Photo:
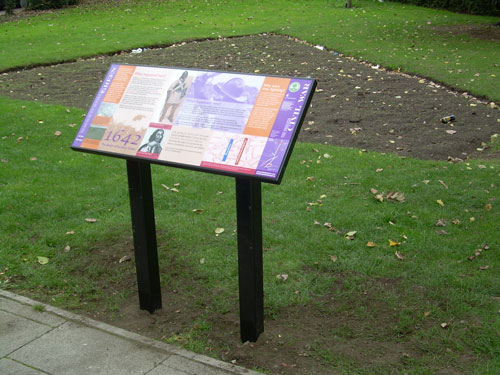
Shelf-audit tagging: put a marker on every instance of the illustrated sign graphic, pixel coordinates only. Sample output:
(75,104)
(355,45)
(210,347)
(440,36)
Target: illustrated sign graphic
(229,123)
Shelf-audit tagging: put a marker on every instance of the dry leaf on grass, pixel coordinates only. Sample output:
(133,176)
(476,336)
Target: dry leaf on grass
(125,258)
(43,260)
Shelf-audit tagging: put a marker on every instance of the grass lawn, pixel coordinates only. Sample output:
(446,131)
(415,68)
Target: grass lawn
(440,242)
(391,34)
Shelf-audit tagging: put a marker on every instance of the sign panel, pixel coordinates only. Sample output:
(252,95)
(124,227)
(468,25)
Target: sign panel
(228,123)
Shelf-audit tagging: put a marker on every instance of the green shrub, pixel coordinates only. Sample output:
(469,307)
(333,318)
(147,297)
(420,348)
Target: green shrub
(8,5)
(50,4)
(483,7)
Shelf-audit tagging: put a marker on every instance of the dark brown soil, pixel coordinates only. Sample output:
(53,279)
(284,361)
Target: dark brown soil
(355,105)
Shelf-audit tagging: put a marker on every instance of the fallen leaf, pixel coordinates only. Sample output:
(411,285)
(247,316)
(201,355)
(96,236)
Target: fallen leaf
(283,277)
(202,261)
(483,268)
(33,158)
(197,210)
(399,255)
(442,183)
(124,259)
(43,260)
(444,325)
(334,258)
(394,243)
(165,186)
(219,231)
(90,220)
(310,179)
(67,248)
(350,235)
(57,133)
(70,232)
(456,222)
(440,202)
(441,223)
(174,190)
(488,207)
(378,170)
(472,219)
(395,196)
(370,244)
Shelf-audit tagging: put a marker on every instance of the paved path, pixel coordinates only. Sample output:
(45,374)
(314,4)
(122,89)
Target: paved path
(53,341)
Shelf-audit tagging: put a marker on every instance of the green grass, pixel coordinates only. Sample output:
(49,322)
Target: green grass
(44,199)
(47,191)
(394,35)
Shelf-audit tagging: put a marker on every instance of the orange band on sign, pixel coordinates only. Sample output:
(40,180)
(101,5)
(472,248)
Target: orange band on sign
(91,143)
(119,84)
(101,120)
(267,106)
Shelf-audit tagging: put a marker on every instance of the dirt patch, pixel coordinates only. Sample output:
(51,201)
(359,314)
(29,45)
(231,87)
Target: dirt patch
(480,31)
(360,328)
(356,104)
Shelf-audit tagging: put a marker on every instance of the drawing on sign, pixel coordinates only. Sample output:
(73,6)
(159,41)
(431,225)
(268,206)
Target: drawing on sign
(230,123)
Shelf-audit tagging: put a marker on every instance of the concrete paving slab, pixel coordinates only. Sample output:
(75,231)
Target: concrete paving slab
(164,370)
(16,331)
(192,367)
(82,345)
(30,313)
(72,349)
(10,367)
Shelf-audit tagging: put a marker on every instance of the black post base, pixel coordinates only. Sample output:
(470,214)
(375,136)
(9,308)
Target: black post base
(250,269)
(143,225)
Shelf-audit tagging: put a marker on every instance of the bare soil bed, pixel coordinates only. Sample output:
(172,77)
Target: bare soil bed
(355,105)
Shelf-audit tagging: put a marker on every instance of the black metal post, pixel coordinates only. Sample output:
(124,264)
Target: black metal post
(143,225)
(250,270)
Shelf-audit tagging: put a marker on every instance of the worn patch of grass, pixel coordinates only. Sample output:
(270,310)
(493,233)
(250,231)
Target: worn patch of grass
(394,35)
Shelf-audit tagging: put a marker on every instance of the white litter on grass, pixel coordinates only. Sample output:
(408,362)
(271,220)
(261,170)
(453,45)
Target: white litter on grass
(320,47)
(138,50)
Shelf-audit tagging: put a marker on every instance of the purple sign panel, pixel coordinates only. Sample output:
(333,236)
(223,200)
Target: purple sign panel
(227,123)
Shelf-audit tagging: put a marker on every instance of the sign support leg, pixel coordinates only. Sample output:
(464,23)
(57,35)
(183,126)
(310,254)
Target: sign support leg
(143,226)
(250,270)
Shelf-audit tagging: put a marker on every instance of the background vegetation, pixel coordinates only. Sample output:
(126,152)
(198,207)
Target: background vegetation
(485,7)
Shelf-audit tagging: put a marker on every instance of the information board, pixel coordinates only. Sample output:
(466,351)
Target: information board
(243,125)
